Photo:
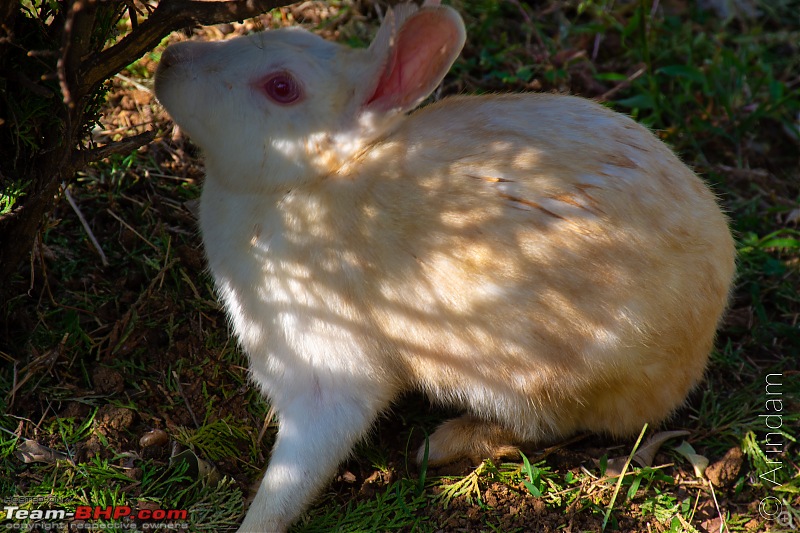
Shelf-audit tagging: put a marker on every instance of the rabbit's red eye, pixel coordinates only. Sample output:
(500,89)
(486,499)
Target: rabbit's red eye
(282,88)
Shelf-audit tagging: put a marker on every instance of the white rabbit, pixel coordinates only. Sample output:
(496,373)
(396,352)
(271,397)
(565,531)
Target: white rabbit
(540,261)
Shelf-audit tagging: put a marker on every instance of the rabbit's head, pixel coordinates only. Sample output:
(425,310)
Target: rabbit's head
(282,107)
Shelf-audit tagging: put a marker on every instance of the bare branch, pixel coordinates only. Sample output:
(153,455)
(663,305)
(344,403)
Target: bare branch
(170,15)
(606,96)
(76,44)
(85,224)
(82,158)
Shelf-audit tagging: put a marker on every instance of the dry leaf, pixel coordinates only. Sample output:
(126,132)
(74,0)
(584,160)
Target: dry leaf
(645,454)
(30,451)
(699,462)
(198,468)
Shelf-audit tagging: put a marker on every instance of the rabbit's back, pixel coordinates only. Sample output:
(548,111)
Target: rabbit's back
(536,254)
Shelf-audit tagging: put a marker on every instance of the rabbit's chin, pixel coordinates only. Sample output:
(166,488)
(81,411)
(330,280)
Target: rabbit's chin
(279,166)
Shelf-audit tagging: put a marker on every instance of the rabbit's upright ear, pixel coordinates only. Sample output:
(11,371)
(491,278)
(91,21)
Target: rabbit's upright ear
(412,52)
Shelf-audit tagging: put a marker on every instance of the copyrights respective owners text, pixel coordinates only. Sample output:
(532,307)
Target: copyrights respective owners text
(87,517)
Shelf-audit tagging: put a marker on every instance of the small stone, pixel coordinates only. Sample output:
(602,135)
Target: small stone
(107,381)
(154,437)
(116,418)
(723,473)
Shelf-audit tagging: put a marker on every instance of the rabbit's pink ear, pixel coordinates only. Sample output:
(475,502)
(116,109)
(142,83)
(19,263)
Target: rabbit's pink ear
(416,50)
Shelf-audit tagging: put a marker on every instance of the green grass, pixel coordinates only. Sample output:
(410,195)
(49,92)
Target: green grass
(95,356)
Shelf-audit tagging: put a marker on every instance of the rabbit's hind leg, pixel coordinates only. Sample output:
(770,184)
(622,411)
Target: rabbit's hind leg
(469,438)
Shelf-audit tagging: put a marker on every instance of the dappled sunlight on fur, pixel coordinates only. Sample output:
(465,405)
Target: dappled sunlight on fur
(539,261)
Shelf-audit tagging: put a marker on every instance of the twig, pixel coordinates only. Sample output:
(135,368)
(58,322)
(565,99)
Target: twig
(66,50)
(113,214)
(86,228)
(166,260)
(188,280)
(185,399)
(35,88)
(719,511)
(13,394)
(127,145)
(654,8)
(44,361)
(267,421)
(743,173)
(598,38)
(135,83)
(696,503)
(622,85)
(75,45)
(525,15)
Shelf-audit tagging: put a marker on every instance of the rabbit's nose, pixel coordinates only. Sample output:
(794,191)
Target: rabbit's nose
(172,56)
(178,53)
(167,59)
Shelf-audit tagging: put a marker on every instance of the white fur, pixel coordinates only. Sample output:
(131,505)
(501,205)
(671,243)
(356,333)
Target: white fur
(538,260)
